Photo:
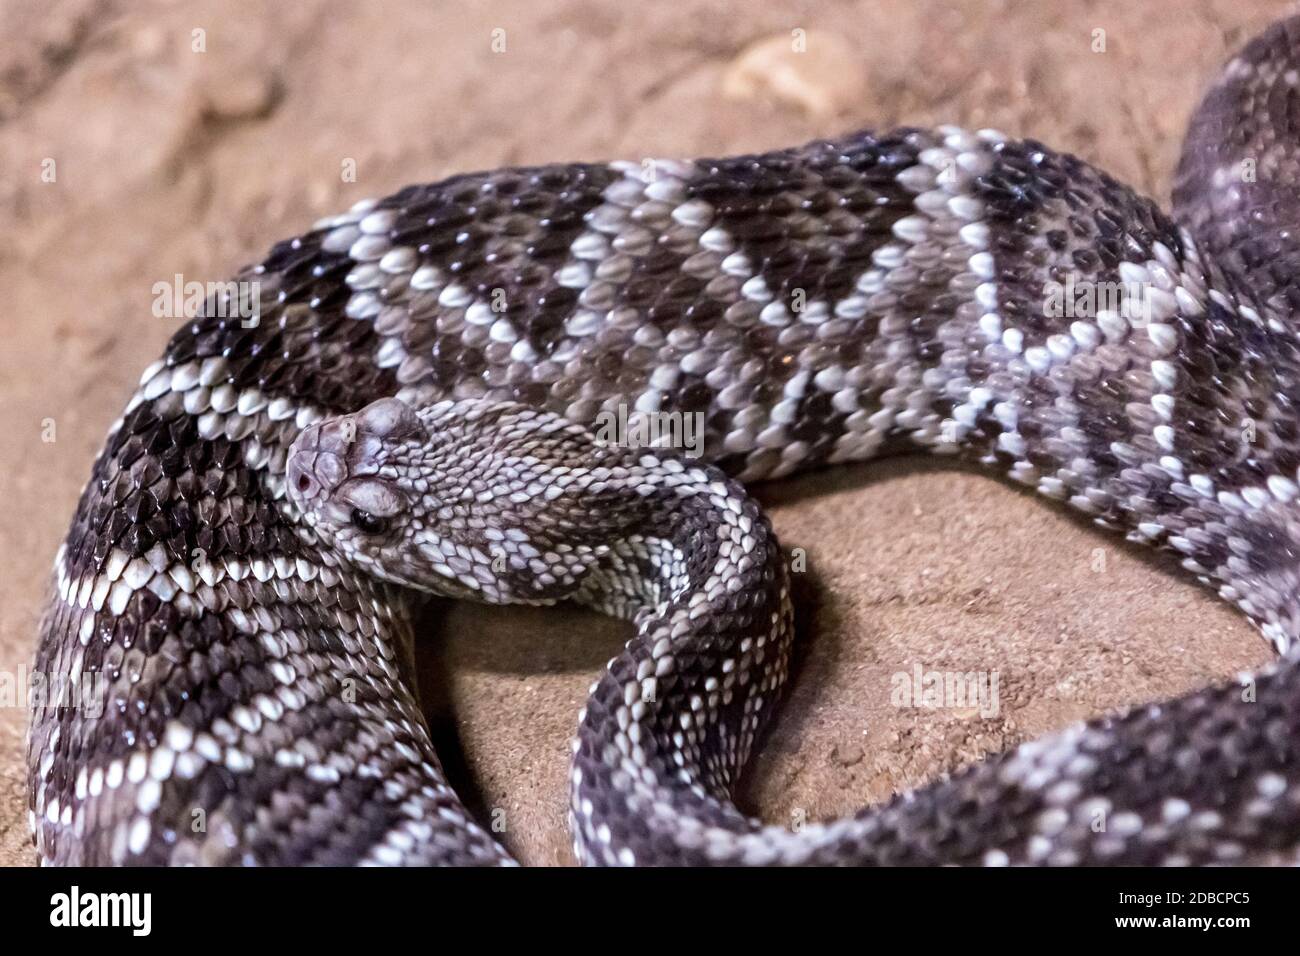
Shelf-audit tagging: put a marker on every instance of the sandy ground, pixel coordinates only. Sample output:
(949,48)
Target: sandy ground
(171,160)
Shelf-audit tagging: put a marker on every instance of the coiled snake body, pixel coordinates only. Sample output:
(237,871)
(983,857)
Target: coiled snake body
(811,305)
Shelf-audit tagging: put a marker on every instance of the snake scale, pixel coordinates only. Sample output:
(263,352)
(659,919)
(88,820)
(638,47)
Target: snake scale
(411,412)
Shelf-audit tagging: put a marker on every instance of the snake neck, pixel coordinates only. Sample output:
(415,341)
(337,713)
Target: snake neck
(676,715)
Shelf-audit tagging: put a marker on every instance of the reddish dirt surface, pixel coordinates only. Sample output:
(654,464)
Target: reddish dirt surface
(173,161)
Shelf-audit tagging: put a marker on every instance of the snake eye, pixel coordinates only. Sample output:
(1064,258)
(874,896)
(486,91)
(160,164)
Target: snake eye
(368,523)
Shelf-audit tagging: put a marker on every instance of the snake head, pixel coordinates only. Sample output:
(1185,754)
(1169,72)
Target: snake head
(476,498)
(333,467)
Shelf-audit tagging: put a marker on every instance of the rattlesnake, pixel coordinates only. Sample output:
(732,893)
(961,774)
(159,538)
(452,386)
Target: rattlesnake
(814,306)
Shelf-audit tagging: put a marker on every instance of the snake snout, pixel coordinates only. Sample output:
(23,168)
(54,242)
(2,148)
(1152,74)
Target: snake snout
(317,462)
(304,486)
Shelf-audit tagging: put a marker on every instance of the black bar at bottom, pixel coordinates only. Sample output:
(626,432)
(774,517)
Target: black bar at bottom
(331,906)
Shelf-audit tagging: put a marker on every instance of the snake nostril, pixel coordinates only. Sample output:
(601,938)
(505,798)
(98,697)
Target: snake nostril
(303,482)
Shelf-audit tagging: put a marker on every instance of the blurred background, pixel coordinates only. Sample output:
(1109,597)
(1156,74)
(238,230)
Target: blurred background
(139,140)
